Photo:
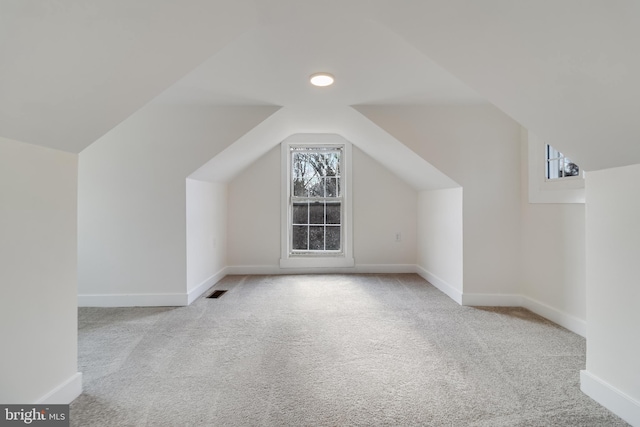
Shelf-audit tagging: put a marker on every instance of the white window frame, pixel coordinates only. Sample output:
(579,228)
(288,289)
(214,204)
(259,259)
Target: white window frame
(543,190)
(342,258)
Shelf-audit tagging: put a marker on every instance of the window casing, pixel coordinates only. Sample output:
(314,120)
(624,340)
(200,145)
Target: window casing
(316,205)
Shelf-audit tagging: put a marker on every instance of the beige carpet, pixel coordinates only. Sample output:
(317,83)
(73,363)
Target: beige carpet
(329,350)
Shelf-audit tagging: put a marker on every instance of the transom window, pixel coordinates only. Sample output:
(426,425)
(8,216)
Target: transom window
(558,166)
(316,200)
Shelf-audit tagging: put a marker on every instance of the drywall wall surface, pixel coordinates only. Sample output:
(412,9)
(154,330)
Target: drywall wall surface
(254,213)
(131,201)
(613,292)
(553,251)
(38,249)
(384,214)
(383,206)
(440,236)
(206,231)
(478,146)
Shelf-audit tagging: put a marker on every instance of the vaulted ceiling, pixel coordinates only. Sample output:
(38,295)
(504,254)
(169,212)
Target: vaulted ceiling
(72,70)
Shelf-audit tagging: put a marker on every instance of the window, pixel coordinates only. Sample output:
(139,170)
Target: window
(559,166)
(316,200)
(553,178)
(316,207)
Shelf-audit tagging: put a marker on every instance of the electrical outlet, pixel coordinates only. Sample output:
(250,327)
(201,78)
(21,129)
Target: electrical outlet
(398,236)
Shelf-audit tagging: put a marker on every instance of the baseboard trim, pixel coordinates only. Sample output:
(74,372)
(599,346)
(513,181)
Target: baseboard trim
(384,268)
(440,284)
(132,300)
(196,292)
(563,319)
(610,397)
(358,268)
(492,300)
(65,393)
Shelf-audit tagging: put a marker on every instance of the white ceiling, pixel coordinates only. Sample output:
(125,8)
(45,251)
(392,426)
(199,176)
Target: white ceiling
(567,70)
(72,70)
(271,64)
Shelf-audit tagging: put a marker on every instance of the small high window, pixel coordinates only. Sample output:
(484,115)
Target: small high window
(558,166)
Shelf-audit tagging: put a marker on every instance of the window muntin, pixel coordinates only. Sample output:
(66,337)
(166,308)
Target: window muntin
(558,166)
(316,204)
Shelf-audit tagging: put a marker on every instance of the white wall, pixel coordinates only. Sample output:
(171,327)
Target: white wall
(553,257)
(206,234)
(440,239)
(38,249)
(253,233)
(131,205)
(613,290)
(382,205)
(479,147)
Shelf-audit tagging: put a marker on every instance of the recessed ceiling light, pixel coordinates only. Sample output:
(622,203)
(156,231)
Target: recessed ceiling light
(321,79)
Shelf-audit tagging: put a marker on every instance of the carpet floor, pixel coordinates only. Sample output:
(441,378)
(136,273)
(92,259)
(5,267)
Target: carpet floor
(329,350)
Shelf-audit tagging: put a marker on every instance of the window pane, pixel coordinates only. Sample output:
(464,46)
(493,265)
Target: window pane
(299,188)
(316,213)
(333,238)
(332,161)
(570,168)
(315,187)
(316,238)
(332,187)
(333,213)
(300,213)
(300,237)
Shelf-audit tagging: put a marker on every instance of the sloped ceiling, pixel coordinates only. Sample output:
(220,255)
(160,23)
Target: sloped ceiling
(566,70)
(346,122)
(72,70)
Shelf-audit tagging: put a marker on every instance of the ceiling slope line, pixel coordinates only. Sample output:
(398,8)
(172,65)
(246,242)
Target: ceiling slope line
(344,121)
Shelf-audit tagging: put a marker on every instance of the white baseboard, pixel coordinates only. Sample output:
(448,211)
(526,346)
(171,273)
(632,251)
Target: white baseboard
(195,293)
(442,285)
(65,393)
(258,270)
(492,300)
(132,300)
(358,268)
(384,268)
(563,319)
(610,397)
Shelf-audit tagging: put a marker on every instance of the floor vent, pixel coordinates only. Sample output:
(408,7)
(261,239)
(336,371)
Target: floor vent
(216,294)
